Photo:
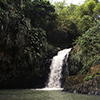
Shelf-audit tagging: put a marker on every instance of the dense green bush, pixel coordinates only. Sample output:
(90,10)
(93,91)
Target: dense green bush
(22,46)
(86,51)
(42,15)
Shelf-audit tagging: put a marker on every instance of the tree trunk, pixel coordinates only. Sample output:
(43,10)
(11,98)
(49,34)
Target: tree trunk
(21,4)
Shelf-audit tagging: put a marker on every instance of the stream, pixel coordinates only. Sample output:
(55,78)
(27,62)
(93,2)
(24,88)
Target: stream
(29,94)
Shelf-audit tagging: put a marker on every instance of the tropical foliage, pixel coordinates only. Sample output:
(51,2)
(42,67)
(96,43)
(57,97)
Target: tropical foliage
(80,23)
(22,46)
(29,29)
(86,50)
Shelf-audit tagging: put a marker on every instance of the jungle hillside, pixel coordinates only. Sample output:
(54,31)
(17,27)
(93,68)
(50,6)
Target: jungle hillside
(32,30)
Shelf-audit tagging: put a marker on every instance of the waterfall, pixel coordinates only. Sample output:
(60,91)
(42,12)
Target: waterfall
(54,82)
(56,69)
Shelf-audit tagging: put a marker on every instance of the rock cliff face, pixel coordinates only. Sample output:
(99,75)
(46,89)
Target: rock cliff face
(88,87)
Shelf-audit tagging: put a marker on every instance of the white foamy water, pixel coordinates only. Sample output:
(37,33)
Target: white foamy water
(48,89)
(55,71)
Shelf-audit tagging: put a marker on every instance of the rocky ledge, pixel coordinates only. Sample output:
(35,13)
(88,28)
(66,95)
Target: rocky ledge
(91,87)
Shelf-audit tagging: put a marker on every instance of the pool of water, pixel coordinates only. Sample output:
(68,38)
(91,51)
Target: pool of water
(27,94)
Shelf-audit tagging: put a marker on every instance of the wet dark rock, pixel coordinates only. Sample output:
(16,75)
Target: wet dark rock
(65,71)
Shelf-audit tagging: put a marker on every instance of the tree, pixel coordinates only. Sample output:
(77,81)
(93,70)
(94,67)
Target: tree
(66,31)
(85,15)
(84,24)
(42,15)
(91,8)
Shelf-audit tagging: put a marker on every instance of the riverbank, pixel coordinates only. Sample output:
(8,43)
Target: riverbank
(91,87)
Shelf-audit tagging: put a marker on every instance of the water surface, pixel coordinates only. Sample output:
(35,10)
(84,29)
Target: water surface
(27,94)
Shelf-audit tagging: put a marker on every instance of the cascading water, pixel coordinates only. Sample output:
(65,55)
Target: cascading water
(56,69)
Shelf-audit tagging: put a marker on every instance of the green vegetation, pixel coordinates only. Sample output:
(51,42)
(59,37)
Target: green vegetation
(30,29)
(23,46)
(89,77)
(80,23)
(86,50)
